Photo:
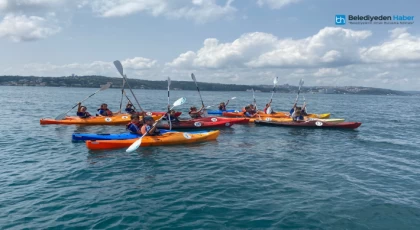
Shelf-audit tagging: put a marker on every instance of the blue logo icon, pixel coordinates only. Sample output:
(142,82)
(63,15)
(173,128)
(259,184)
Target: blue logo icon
(340,19)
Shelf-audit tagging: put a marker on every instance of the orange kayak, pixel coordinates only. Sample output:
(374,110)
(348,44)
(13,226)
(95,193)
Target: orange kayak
(174,138)
(118,119)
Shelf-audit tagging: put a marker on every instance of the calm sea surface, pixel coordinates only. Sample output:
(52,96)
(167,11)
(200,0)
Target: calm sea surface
(250,178)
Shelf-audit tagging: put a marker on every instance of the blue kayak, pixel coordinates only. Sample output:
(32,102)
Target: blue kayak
(219,112)
(121,136)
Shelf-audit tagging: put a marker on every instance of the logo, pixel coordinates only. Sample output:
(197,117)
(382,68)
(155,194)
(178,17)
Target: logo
(124,117)
(340,19)
(318,123)
(197,124)
(214,119)
(187,136)
(108,119)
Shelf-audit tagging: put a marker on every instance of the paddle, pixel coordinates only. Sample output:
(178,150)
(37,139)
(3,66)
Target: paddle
(300,85)
(103,87)
(255,103)
(137,143)
(169,111)
(122,94)
(269,110)
(119,67)
(195,81)
(233,98)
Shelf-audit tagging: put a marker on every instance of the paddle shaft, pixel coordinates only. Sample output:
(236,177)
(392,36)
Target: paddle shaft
(125,78)
(122,94)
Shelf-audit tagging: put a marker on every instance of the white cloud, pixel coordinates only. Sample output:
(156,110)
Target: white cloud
(401,47)
(96,67)
(276,4)
(330,46)
(327,72)
(199,11)
(23,28)
(24,5)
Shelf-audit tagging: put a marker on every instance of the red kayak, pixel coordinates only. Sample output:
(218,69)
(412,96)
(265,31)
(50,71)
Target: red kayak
(233,120)
(196,124)
(311,124)
(177,114)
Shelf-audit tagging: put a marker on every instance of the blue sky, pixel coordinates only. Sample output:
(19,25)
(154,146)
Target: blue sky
(240,41)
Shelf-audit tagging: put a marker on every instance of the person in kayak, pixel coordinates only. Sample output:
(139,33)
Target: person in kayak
(194,113)
(135,125)
(129,108)
(104,111)
(170,114)
(297,114)
(249,112)
(81,111)
(148,128)
(222,105)
(302,110)
(268,106)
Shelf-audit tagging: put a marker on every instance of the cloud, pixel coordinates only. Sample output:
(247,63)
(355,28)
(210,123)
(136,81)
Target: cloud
(276,4)
(329,47)
(23,28)
(96,67)
(326,72)
(199,11)
(402,47)
(27,5)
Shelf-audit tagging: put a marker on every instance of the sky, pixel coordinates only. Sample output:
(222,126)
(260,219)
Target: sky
(222,41)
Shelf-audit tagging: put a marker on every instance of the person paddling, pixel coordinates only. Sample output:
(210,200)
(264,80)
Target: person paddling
(249,112)
(135,125)
(148,128)
(129,108)
(172,116)
(268,106)
(194,113)
(104,111)
(222,105)
(81,111)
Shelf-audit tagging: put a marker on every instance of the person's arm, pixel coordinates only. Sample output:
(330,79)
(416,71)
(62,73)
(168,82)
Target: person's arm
(227,103)
(152,130)
(79,106)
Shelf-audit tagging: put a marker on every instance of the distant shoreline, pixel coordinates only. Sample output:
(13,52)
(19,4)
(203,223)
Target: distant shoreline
(96,81)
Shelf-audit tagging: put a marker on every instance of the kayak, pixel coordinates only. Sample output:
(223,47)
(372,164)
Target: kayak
(118,119)
(219,112)
(290,119)
(276,115)
(177,114)
(121,136)
(195,124)
(234,120)
(172,138)
(312,124)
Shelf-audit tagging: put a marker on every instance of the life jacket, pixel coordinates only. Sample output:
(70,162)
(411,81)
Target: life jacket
(106,112)
(130,110)
(194,115)
(223,108)
(148,128)
(83,114)
(135,128)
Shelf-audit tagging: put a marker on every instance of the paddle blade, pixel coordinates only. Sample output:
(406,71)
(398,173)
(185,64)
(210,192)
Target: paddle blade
(169,81)
(275,80)
(134,146)
(106,86)
(193,77)
(119,67)
(180,101)
(233,98)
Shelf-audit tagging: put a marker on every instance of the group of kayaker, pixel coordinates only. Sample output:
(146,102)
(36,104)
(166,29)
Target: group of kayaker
(142,127)
(103,111)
